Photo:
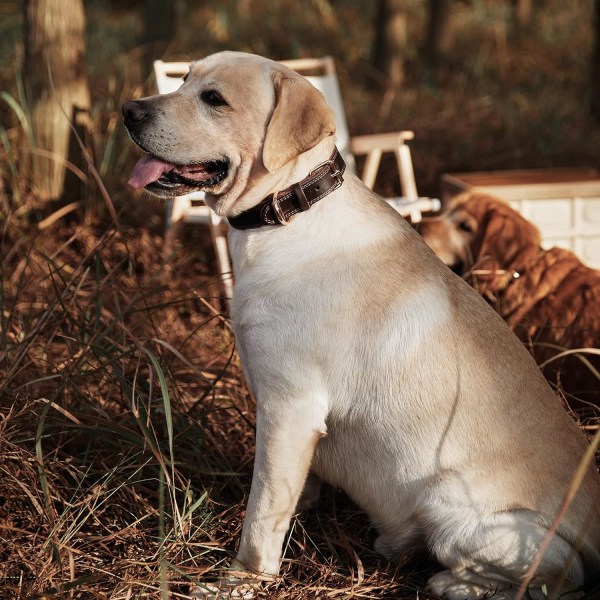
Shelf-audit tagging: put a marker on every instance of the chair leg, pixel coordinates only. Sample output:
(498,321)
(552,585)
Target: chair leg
(371,167)
(407,173)
(171,235)
(174,214)
(407,180)
(176,211)
(219,241)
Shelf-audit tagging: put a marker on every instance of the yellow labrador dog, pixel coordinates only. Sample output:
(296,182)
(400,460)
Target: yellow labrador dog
(374,367)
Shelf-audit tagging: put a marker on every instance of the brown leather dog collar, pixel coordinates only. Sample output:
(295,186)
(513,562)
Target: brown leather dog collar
(276,209)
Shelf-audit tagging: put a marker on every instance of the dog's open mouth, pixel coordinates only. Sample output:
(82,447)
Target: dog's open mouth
(154,173)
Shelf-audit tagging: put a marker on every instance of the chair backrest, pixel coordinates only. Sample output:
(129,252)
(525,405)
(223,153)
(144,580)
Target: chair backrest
(169,75)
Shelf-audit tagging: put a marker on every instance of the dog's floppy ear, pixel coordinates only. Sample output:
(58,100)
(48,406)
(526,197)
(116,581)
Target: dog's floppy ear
(301,119)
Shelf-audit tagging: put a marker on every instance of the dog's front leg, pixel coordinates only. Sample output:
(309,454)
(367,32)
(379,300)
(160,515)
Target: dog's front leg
(286,437)
(287,432)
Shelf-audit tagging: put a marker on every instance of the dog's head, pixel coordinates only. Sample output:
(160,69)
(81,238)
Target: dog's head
(477,229)
(236,120)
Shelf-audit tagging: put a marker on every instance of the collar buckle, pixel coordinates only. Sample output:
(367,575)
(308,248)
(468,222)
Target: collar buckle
(277,210)
(335,172)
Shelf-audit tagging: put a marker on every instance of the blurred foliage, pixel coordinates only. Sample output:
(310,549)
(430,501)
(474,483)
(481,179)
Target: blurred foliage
(503,97)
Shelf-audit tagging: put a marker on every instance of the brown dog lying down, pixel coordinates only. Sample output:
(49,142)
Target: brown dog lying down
(548,297)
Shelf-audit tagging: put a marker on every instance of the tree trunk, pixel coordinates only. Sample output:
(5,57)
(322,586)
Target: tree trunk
(390,41)
(523,12)
(595,82)
(438,32)
(58,93)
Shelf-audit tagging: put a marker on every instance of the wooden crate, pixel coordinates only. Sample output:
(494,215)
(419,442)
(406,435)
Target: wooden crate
(563,203)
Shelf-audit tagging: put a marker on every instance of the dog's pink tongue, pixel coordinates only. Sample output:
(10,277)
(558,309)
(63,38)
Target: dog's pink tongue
(148,169)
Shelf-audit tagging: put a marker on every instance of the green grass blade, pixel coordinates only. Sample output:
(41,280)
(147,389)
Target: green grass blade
(20,113)
(166,401)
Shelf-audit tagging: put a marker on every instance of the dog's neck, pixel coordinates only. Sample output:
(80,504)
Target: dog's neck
(265,183)
(279,208)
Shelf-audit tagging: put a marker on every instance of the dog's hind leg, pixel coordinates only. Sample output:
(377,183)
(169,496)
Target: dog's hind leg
(406,537)
(491,553)
(310,493)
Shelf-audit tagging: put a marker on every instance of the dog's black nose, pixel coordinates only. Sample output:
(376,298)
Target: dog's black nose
(133,111)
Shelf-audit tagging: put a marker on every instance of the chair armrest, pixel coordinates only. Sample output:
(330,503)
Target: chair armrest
(373,146)
(384,142)
(411,207)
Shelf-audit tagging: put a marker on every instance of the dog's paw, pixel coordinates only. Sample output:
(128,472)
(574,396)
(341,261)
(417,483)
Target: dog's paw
(226,588)
(236,583)
(447,586)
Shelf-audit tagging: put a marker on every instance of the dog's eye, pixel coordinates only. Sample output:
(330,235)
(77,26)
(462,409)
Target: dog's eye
(465,226)
(213,98)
